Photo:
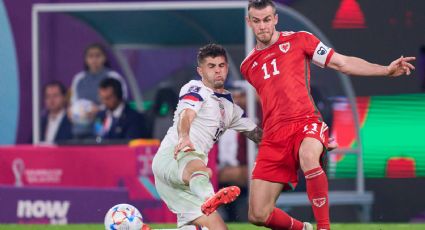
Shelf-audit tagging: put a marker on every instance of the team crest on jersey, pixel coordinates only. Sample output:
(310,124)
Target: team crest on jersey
(194,89)
(285,47)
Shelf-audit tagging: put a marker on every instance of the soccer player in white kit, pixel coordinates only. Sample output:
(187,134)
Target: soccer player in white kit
(205,110)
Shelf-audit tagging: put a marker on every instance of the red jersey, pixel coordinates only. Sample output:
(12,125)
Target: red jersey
(281,75)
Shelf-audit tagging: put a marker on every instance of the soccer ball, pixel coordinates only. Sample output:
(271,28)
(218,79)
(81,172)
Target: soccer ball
(123,217)
(80,110)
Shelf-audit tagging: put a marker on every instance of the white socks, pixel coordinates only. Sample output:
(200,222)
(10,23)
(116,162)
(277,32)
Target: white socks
(200,185)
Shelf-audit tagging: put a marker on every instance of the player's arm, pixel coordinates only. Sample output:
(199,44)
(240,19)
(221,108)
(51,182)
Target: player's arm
(183,130)
(245,125)
(254,135)
(359,67)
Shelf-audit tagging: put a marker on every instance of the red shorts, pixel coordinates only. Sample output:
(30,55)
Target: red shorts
(277,159)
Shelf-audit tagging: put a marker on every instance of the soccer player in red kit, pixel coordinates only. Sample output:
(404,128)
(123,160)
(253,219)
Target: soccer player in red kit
(294,134)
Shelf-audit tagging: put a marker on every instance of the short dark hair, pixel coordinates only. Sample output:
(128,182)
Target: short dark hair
(58,84)
(114,84)
(261,4)
(211,50)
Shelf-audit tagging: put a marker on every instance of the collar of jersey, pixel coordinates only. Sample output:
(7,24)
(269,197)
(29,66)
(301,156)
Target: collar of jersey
(280,34)
(226,95)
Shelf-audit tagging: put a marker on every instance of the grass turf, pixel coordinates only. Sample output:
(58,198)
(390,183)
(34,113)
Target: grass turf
(376,226)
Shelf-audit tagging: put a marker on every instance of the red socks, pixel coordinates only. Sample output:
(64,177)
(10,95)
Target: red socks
(279,219)
(317,191)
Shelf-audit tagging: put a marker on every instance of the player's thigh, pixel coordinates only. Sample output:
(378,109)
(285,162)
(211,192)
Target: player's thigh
(312,141)
(213,221)
(262,196)
(309,153)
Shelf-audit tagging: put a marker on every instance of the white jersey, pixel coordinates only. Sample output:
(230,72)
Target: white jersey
(215,113)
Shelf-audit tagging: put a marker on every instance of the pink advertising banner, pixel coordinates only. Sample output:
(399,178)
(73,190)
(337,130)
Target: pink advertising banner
(67,166)
(39,173)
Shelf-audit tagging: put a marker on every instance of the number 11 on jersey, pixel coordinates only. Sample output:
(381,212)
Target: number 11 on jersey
(275,70)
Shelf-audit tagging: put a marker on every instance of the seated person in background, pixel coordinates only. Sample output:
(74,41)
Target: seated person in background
(118,120)
(96,69)
(55,125)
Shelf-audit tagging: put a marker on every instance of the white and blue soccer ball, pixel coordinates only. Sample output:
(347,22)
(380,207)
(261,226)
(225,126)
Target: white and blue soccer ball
(123,217)
(80,110)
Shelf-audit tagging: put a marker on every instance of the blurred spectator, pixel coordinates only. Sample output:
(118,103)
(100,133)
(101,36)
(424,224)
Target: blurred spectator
(118,120)
(55,125)
(165,104)
(85,84)
(232,160)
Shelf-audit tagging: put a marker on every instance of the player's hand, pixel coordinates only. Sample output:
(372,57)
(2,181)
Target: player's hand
(93,112)
(184,145)
(332,144)
(401,66)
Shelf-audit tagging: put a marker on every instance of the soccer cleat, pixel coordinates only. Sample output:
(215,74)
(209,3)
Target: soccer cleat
(146,227)
(223,196)
(307,226)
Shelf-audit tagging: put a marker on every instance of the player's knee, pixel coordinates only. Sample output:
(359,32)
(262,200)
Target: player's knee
(196,166)
(258,216)
(192,167)
(210,172)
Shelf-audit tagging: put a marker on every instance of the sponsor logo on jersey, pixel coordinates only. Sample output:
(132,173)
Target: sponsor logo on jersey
(284,47)
(322,51)
(194,89)
(268,55)
(254,65)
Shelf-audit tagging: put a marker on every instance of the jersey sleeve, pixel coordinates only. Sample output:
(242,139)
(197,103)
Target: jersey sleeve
(192,97)
(240,122)
(318,52)
(245,66)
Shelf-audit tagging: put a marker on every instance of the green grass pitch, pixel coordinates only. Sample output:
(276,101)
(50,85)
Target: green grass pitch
(375,226)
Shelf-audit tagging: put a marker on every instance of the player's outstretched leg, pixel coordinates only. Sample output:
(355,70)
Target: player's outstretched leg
(262,210)
(211,222)
(223,196)
(316,181)
(197,176)
(200,185)
(317,191)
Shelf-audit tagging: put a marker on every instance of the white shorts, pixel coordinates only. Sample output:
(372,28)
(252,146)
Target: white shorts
(169,183)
